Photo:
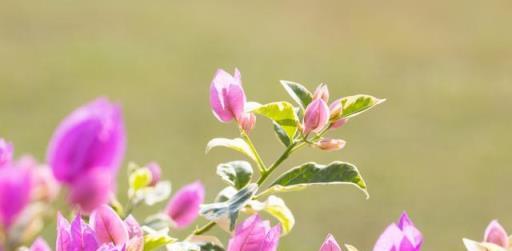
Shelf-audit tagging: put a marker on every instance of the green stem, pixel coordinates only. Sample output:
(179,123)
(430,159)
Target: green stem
(204,228)
(259,161)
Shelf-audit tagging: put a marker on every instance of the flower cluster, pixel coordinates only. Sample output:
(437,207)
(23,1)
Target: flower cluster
(87,150)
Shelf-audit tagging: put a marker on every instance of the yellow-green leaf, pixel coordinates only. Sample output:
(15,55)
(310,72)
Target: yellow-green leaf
(283,113)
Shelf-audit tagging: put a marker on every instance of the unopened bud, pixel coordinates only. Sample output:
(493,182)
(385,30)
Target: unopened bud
(156,172)
(331,144)
(336,112)
(247,121)
(316,116)
(6,150)
(322,92)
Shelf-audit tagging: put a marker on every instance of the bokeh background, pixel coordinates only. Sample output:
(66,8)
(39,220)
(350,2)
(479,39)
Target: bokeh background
(439,148)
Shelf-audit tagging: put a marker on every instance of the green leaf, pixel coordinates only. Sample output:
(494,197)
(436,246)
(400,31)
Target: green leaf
(276,207)
(236,173)
(156,239)
(350,247)
(315,174)
(298,92)
(357,104)
(211,247)
(236,144)
(229,208)
(283,114)
(281,134)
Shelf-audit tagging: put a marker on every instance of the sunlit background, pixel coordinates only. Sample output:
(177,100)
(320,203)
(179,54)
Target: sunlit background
(440,148)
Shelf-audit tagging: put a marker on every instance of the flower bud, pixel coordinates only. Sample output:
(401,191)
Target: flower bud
(227,97)
(155,171)
(331,144)
(91,190)
(496,234)
(336,112)
(247,121)
(401,236)
(316,116)
(321,92)
(255,235)
(15,192)
(330,244)
(6,150)
(40,245)
(91,137)
(183,208)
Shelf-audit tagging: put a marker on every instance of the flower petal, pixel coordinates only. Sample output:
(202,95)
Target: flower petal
(330,244)
(496,234)
(108,226)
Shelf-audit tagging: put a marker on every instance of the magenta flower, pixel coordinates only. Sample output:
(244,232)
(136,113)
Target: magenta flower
(183,208)
(330,244)
(227,98)
(15,193)
(91,190)
(105,231)
(92,136)
(496,234)
(255,235)
(40,245)
(77,236)
(403,236)
(6,150)
(316,116)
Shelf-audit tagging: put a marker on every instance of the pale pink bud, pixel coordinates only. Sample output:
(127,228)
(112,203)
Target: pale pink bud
(156,172)
(227,97)
(321,92)
(331,144)
(6,150)
(247,121)
(336,112)
(316,116)
(496,234)
(330,244)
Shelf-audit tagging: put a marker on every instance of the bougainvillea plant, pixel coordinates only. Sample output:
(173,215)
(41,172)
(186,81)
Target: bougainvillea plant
(86,153)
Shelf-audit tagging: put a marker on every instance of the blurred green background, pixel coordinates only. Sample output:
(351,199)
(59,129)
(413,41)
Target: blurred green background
(439,148)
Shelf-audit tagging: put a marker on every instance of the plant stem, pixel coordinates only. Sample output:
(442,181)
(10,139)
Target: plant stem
(259,161)
(204,228)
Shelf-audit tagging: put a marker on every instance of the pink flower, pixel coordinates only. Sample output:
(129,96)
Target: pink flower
(40,245)
(6,150)
(403,236)
(496,234)
(183,208)
(77,236)
(322,92)
(108,226)
(92,136)
(316,116)
(227,98)
(255,235)
(91,190)
(15,193)
(330,244)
